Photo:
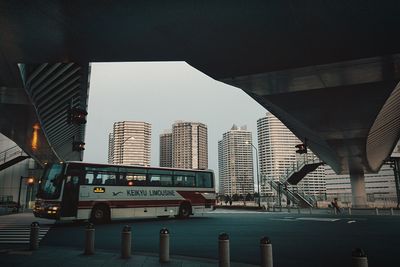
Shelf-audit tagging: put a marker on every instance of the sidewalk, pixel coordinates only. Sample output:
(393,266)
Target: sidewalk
(67,257)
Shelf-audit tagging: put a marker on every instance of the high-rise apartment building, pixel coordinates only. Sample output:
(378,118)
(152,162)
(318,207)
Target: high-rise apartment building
(235,162)
(130,143)
(110,148)
(189,145)
(277,154)
(166,149)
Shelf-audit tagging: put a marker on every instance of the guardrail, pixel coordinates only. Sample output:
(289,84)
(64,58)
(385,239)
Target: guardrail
(11,153)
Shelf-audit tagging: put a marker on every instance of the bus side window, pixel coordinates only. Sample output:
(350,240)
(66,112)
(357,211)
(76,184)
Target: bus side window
(89,178)
(110,179)
(155,180)
(203,180)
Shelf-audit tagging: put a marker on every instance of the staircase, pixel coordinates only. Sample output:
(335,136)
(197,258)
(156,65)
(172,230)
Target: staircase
(297,198)
(11,156)
(301,168)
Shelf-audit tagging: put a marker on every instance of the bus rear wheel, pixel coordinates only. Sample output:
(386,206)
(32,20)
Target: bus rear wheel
(100,214)
(184,211)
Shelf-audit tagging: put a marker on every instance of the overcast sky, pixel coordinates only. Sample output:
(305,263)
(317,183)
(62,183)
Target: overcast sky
(161,93)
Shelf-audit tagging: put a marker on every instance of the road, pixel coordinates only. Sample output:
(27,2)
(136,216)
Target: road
(298,240)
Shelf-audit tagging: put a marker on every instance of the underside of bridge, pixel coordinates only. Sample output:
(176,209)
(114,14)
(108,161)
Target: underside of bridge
(329,70)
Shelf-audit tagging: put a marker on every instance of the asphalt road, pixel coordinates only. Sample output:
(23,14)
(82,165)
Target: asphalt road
(298,240)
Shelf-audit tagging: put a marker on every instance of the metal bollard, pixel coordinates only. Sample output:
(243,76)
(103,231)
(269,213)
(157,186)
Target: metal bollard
(391,211)
(288,209)
(349,211)
(298,210)
(164,245)
(310,210)
(376,211)
(266,252)
(34,236)
(126,242)
(89,239)
(359,258)
(280,209)
(223,250)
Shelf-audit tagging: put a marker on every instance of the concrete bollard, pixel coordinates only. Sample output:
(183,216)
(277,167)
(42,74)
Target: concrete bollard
(34,236)
(359,258)
(126,245)
(266,252)
(376,211)
(164,245)
(349,211)
(89,239)
(223,250)
(391,211)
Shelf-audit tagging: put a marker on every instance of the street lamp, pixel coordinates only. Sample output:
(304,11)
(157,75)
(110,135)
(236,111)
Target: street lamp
(258,176)
(120,148)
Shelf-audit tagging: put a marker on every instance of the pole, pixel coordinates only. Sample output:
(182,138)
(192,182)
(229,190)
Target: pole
(266,252)
(223,250)
(19,193)
(164,245)
(126,240)
(359,258)
(396,171)
(89,239)
(258,178)
(34,236)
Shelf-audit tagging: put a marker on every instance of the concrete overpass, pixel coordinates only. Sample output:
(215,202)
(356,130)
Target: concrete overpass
(328,70)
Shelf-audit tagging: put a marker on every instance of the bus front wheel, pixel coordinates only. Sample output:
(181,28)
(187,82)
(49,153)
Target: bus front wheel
(184,211)
(100,214)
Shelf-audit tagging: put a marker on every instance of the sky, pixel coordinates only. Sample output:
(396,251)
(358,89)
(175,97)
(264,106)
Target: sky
(161,93)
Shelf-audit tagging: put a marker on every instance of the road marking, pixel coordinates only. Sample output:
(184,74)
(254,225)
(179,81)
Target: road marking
(15,229)
(318,219)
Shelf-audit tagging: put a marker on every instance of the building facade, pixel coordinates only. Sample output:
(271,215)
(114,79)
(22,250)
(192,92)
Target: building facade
(166,149)
(235,162)
(277,155)
(130,143)
(110,148)
(189,145)
(380,187)
(14,184)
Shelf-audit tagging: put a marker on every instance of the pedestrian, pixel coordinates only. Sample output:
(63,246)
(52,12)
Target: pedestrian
(230,201)
(335,205)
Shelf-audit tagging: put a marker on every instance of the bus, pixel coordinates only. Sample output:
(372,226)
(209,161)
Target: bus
(102,192)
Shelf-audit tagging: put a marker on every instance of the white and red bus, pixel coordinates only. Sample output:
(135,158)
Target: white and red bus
(100,193)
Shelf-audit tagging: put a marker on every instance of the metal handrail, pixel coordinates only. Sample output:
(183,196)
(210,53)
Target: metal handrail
(296,166)
(9,153)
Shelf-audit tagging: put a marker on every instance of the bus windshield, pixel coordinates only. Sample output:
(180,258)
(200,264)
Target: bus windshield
(50,185)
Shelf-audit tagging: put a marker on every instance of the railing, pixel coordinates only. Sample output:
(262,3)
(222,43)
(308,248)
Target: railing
(294,195)
(296,166)
(11,153)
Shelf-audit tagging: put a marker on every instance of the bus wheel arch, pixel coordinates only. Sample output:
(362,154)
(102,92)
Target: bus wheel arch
(101,213)
(185,210)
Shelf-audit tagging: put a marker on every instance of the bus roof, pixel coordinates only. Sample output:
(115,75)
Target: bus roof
(134,166)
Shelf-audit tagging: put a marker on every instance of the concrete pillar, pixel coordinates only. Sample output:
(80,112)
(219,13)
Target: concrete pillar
(357,180)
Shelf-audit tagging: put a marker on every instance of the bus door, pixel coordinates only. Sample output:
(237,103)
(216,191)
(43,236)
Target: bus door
(69,203)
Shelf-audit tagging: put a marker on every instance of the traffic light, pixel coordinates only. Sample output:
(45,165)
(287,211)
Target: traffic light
(77,116)
(301,148)
(78,146)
